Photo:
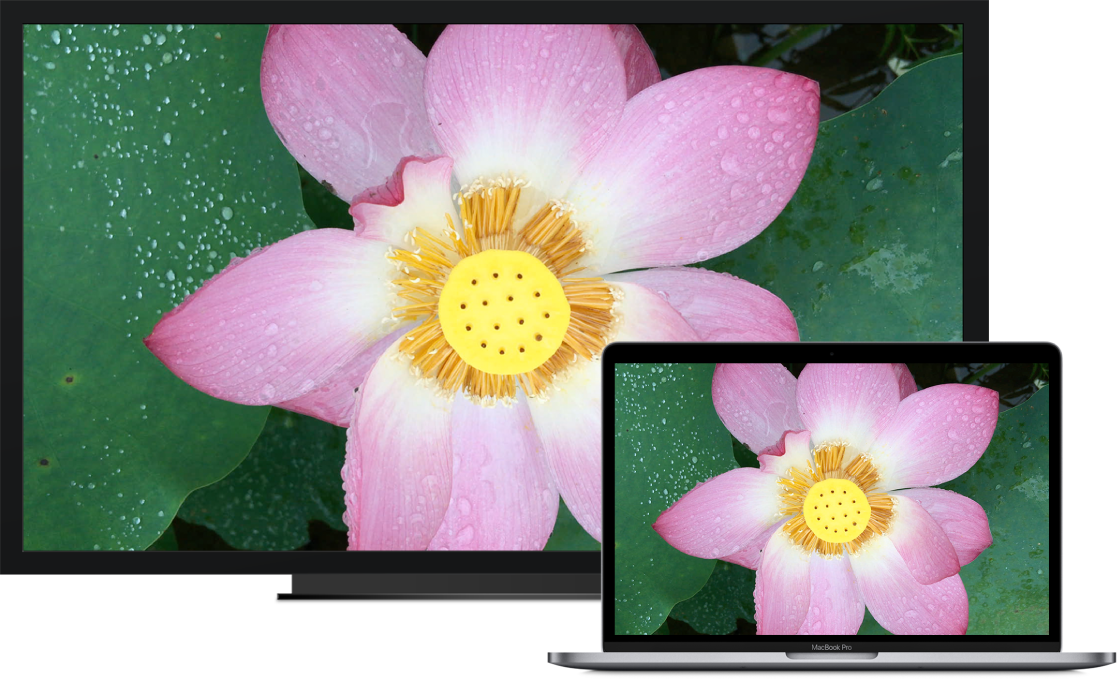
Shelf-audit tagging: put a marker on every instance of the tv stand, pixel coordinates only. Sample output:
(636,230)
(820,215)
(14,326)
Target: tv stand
(445,585)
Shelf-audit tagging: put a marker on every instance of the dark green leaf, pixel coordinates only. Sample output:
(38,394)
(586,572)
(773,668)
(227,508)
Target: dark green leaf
(870,247)
(668,439)
(1008,584)
(726,597)
(325,209)
(291,476)
(166,541)
(148,163)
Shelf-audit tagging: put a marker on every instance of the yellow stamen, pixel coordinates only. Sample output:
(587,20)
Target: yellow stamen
(832,504)
(576,316)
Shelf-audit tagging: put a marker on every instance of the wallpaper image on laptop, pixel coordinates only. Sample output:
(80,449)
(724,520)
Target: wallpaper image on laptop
(831,499)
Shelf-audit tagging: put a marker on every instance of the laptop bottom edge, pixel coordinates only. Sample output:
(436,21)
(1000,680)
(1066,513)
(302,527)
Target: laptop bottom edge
(827,661)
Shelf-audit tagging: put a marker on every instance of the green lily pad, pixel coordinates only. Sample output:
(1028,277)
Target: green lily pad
(1009,583)
(166,541)
(725,598)
(870,246)
(568,535)
(148,163)
(668,439)
(291,476)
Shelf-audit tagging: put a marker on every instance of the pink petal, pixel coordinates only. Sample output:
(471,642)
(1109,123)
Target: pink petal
(503,497)
(905,379)
(961,518)
(334,401)
(640,69)
(280,323)
(720,307)
(836,606)
(936,435)
(568,424)
(346,101)
(720,516)
(899,603)
(529,102)
(417,194)
(397,473)
(849,403)
(783,586)
(698,165)
(920,541)
(796,448)
(644,316)
(749,556)
(756,402)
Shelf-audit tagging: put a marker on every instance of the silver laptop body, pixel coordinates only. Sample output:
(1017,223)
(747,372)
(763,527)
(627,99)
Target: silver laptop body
(1008,652)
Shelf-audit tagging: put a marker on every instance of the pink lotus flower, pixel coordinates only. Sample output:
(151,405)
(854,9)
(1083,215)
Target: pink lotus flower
(459,343)
(840,515)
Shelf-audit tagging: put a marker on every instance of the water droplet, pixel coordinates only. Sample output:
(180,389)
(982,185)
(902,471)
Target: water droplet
(271,329)
(170,275)
(227,213)
(55,38)
(779,114)
(167,138)
(730,163)
(874,184)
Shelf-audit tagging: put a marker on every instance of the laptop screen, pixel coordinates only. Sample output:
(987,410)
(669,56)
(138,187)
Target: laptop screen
(830,500)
